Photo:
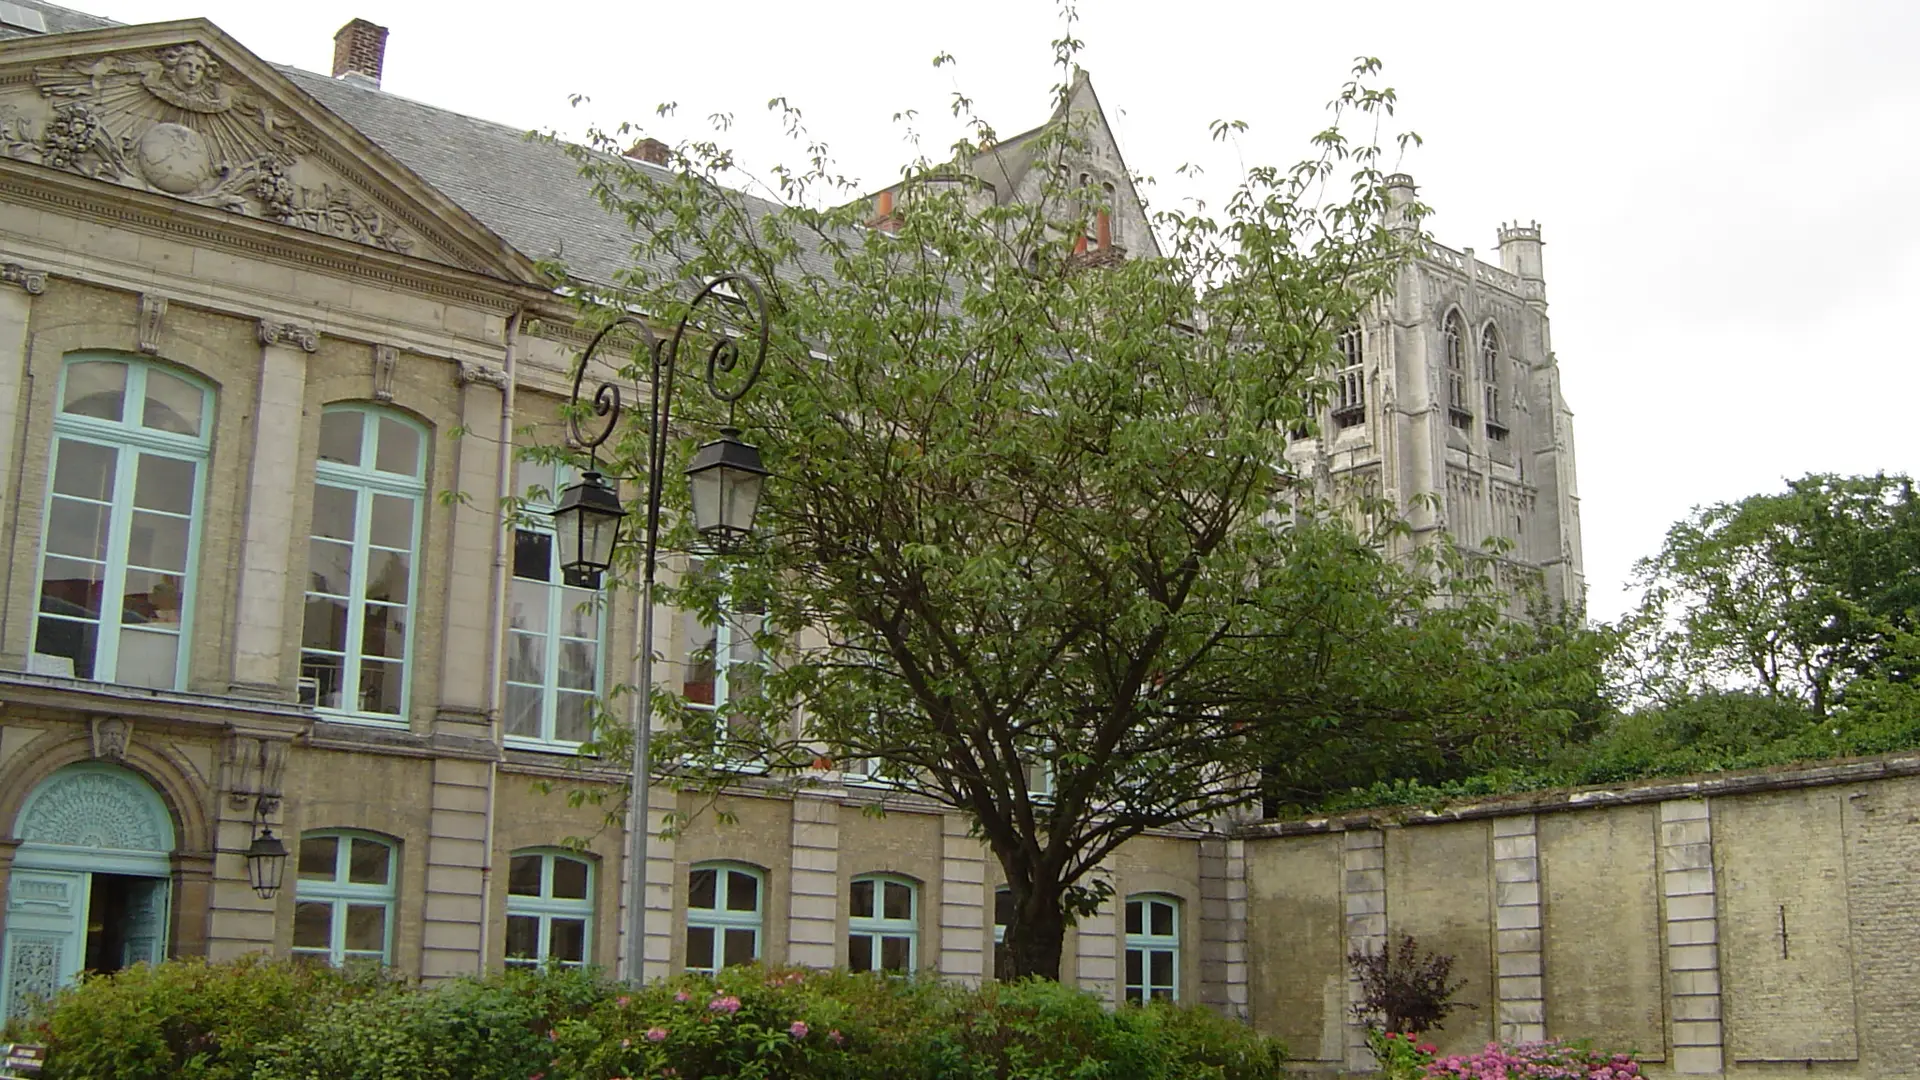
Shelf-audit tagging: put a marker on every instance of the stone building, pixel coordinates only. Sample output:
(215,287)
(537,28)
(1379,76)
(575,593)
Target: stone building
(255,322)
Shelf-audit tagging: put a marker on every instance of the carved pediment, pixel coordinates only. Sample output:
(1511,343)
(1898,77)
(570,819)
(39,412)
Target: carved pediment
(196,119)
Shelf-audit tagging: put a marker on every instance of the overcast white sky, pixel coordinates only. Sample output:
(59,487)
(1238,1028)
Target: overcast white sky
(1726,189)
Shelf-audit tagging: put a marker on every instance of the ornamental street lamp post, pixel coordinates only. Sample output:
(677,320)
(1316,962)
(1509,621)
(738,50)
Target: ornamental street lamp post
(725,478)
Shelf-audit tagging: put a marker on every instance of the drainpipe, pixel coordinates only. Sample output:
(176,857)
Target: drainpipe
(497,654)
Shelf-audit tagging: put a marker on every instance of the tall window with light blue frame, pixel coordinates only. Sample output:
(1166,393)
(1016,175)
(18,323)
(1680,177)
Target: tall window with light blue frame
(549,909)
(554,631)
(123,522)
(343,903)
(368,496)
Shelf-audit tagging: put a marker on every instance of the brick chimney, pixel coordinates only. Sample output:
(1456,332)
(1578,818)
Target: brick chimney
(359,50)
(651,151)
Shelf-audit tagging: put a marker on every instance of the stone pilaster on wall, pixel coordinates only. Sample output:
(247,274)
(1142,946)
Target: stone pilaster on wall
(473,533)
(456,859)
(963,883)
(1223,926)
(813,913)
(1517,923)
(238,921)
(1693,936)
(1364,899)
(14,307)
(1097,964)
(260,629)
(657,956)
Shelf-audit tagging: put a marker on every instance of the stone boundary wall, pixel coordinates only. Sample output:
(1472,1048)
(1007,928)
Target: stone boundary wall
(1750,924)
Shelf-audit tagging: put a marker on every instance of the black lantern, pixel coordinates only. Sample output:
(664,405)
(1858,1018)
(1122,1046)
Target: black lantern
(266,863)
(725,478)
(587,522)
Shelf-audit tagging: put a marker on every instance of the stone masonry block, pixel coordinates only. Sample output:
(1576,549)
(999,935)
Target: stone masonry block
(1517,893)
(1689,857)
(1522,825)
(1366,881)
(1683,810)
(1518,918)
(1697,1059)
(1688,882)
(1693,958)
(1505,870)
(1522,1012)
(1367,903)
(1697,1007)
(1366,858)
(1365,838)
(1696,1033)
(1693,932)
(1681,908)
(1697,831)
(1696,983)
(1519,964)
(1517,941)
(1515,847)
(1367,926)
(1522,988)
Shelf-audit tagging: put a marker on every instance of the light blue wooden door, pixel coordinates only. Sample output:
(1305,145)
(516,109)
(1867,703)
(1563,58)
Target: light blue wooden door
(46,939)
(146,923)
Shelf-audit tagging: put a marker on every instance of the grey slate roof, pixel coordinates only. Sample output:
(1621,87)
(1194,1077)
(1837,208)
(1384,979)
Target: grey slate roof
(59,21)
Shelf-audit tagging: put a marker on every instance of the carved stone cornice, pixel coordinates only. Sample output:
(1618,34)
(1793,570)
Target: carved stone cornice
(481,373)
(279,333)
(153,314)
(34,281)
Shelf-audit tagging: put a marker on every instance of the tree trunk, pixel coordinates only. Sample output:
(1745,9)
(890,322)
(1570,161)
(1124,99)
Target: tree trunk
(1036,936)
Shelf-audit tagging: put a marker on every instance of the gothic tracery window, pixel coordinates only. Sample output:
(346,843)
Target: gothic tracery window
(1490,381)
(1453,337)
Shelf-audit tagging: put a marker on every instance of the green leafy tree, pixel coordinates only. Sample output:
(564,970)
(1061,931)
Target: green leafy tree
(1795,595)
(1031,517)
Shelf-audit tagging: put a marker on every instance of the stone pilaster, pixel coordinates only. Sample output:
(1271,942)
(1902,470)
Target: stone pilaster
(1223,926)
(260,633)
(457,856)
(1097,962)
(963,878)
(238,921)
(813,913)
(657,956)
(473,533)
(1364,898)
(1517,946)
(15,304)
(1692,936)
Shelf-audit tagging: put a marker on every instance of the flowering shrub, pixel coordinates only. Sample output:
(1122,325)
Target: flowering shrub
(1543,1060)
(1402,1056)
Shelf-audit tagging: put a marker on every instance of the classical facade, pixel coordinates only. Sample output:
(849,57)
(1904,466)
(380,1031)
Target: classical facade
(255,324)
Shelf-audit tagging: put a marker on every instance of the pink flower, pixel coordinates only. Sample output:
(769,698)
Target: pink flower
(835,1037)
(656,1034)
(623,1001)
(1426,1048)
(728,1004)
(626,1044)
(681,996)
(797,1029)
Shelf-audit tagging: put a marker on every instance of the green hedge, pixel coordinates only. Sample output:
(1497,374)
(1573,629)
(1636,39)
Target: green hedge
(278,1021)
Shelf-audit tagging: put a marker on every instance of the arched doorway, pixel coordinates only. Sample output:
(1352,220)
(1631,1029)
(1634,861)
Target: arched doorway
(90,886)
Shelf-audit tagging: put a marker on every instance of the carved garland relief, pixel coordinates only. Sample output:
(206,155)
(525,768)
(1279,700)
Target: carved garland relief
(167,121)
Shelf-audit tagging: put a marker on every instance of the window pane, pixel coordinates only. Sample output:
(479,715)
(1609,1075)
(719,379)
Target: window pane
(862,905)
(1160,967)
(95,388)
(698,687)
(392,524)
(151,599)
(523,875)
(569,879)
(532,555)
(1162,915)
(66,647)
(743,891)
(388,573)
(578,662)
(77,528)
(1133,917)
(567,940)
(527,659)
(328,676)
(164,483)
(1134,967)
(367,927)
(312,925)
(334,512)
(329,567)
(147,658)
(1134,996)
(701,886)
(384,631)
(326,624)
(85,470)
(700,946)
(70,587)
(523,711)
(1003,907)
(580,614)
(523,937)
(340,436)
(573,717)
(860,953)
(158,542)
(381,684)
(527,602)
(896,953)
(318,855)
(368,862)
(740,947)
(899,901)
(173,404)
(399,448)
